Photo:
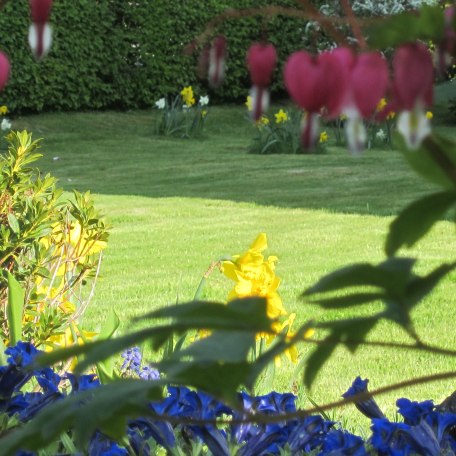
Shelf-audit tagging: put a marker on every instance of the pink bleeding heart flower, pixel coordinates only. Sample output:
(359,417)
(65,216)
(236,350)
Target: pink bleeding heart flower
(4,70)
(413,91)
(315,82)
(445,51)
(261,61)
(40,33)
(217,58)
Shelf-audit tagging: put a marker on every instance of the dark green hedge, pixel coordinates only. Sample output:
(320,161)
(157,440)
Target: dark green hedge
(119,54)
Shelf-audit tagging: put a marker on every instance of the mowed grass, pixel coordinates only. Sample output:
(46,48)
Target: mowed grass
(177,205)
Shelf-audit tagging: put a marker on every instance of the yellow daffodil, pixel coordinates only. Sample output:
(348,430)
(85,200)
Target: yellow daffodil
(391,115)
(281,116)
(323,137)
(203,114)
(381,105)
(263,121)
(3,110)
(187,96)
(429,115)
(255,276)
(249,103)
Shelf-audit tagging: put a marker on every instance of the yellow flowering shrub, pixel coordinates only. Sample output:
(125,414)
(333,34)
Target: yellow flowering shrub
(52,247)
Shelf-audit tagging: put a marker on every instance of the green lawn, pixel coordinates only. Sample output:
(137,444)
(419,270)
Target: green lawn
(176,205)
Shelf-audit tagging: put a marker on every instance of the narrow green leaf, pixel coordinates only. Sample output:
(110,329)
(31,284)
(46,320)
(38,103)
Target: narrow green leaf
(13,223)
(111,325)
(417,219)
(351,300)
(390,275)
(16,297)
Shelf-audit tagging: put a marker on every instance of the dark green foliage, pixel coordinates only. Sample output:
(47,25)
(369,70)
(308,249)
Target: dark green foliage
(117,54)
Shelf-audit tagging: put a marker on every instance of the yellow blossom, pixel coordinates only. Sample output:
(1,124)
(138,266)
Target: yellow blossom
(73,243)
(3,110)
(429,115)
(281,116)
(254,276)
(292,352)
(249,103)
(187,96)
(203,114)
(391,115)
(381,105)
(72,336)
(263,121)
(323,137)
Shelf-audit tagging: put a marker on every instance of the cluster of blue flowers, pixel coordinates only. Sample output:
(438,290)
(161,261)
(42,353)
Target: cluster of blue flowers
(425,430)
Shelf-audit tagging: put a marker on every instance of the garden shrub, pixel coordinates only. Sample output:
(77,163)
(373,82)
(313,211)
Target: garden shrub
(117,54)
(51,247)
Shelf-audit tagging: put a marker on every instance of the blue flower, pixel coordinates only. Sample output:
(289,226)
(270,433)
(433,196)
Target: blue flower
(22,354)
(101,446)
(367,407)
(83,382)
(413,412)
(132,360)
(47,379)
(338,442)
(308,434)
(149,373)
(403,439)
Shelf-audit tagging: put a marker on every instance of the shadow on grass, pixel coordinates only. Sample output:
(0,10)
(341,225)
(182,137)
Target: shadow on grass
(118,153)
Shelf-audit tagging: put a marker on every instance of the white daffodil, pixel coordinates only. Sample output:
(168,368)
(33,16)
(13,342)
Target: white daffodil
(381,135)
(6,124)
(161,103)
(204,101)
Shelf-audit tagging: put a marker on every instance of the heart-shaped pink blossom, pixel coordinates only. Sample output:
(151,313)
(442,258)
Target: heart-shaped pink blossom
(261,61)
(40,10)
(413,76)
(4,70)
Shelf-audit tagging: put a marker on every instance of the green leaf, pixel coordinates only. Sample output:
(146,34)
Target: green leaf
(417,219)
(16,297)
(390,275)
(229,346)
(13,223)
(435,160)
(427,24)
(111,325)
(248,313)
(351,300)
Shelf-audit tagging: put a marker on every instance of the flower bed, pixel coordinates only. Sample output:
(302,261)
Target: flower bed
(249,429)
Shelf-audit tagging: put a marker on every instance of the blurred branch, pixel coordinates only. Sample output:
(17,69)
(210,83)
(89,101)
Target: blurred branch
(354,24)
(311,13)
